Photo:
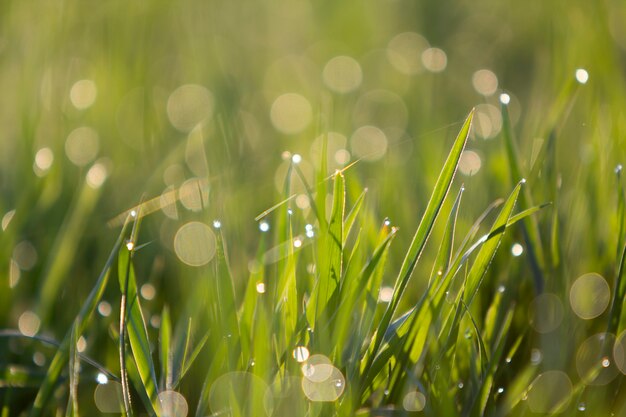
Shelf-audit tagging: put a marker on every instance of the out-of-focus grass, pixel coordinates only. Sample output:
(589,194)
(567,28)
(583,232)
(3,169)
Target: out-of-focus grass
(198,109)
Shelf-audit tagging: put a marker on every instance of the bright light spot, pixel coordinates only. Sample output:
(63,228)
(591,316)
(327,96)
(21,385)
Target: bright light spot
(385,294)
(25,255)
(414,401)
(264,226)
(82,146)
(469,163)
(28,323)
(148,292)
(104,309)
(302,201)
(517,249)
(286,155)
(291,113)
(582,407)
(310,234)
(97,175)
(172,404)
(550,392)
(589,296)
(500,390)
(342,156)
(308,227)
(6,219)
(321,380)
(188,106)
(487,121)
(14,273)
(369,143)
(102,378)
(545,313)
(404,52)
(195,244)
(300,353)
(296,158)
(342,74)
(593,366)
(194,194)
(485,82)
(582,76)
(133,214)
(260,287)
(434,59)
(297,242)
(130,245)
(108,397)
(83,94)
(155,321)
(81,344)
(217,224)
(39,359)
(505,98)
(43,161)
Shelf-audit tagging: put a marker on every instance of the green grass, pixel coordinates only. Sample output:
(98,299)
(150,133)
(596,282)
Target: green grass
(256,232)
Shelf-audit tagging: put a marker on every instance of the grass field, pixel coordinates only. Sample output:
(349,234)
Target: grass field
(296,208)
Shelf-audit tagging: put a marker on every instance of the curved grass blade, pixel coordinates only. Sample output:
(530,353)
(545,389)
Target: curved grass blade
(61,357)
(427,222)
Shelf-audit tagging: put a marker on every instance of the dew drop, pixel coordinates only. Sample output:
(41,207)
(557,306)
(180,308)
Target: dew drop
(501,289)
(505,98)
(468,334)
(500,390)
(460,385)
(217,224)
(289,212)
(618,168)
(582,407)
(133,213)
(130,245)
(582,76)
(102,378)
(264,226)
(517,249)
(606,362)
(387,222)
(296,158)
(297,243)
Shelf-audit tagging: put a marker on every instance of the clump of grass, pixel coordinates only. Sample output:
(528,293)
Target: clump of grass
(311,334)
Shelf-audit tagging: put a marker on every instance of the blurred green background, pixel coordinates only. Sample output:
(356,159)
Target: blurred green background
(104,104)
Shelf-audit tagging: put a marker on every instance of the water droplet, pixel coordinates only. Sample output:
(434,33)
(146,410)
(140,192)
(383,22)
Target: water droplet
(582,407)
(505,98)
(296,158)
(289,212)
(252,363)
(217,224)
(517,249)
(582,76)
(310,234)
(133,213)
(523,181)
(297,242)
(308,227)
(468,334)
(386,392)
(300,353)
(387,222)
(264,226)
(338,383)
(229,335)
(102,378)
(501,289)
(618,168)
(606,362)
(260,287)
(500,390)
(508,360)
(460,385)
(130,245)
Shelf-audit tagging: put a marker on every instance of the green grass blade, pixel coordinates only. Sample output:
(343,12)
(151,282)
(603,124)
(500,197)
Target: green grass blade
(331,257)
(83,319)
(136,330)
(427,222)
(445,249)
(165,343)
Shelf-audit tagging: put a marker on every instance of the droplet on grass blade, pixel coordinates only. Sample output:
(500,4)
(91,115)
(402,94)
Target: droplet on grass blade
(300,353)
(264,226)
(582,76)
